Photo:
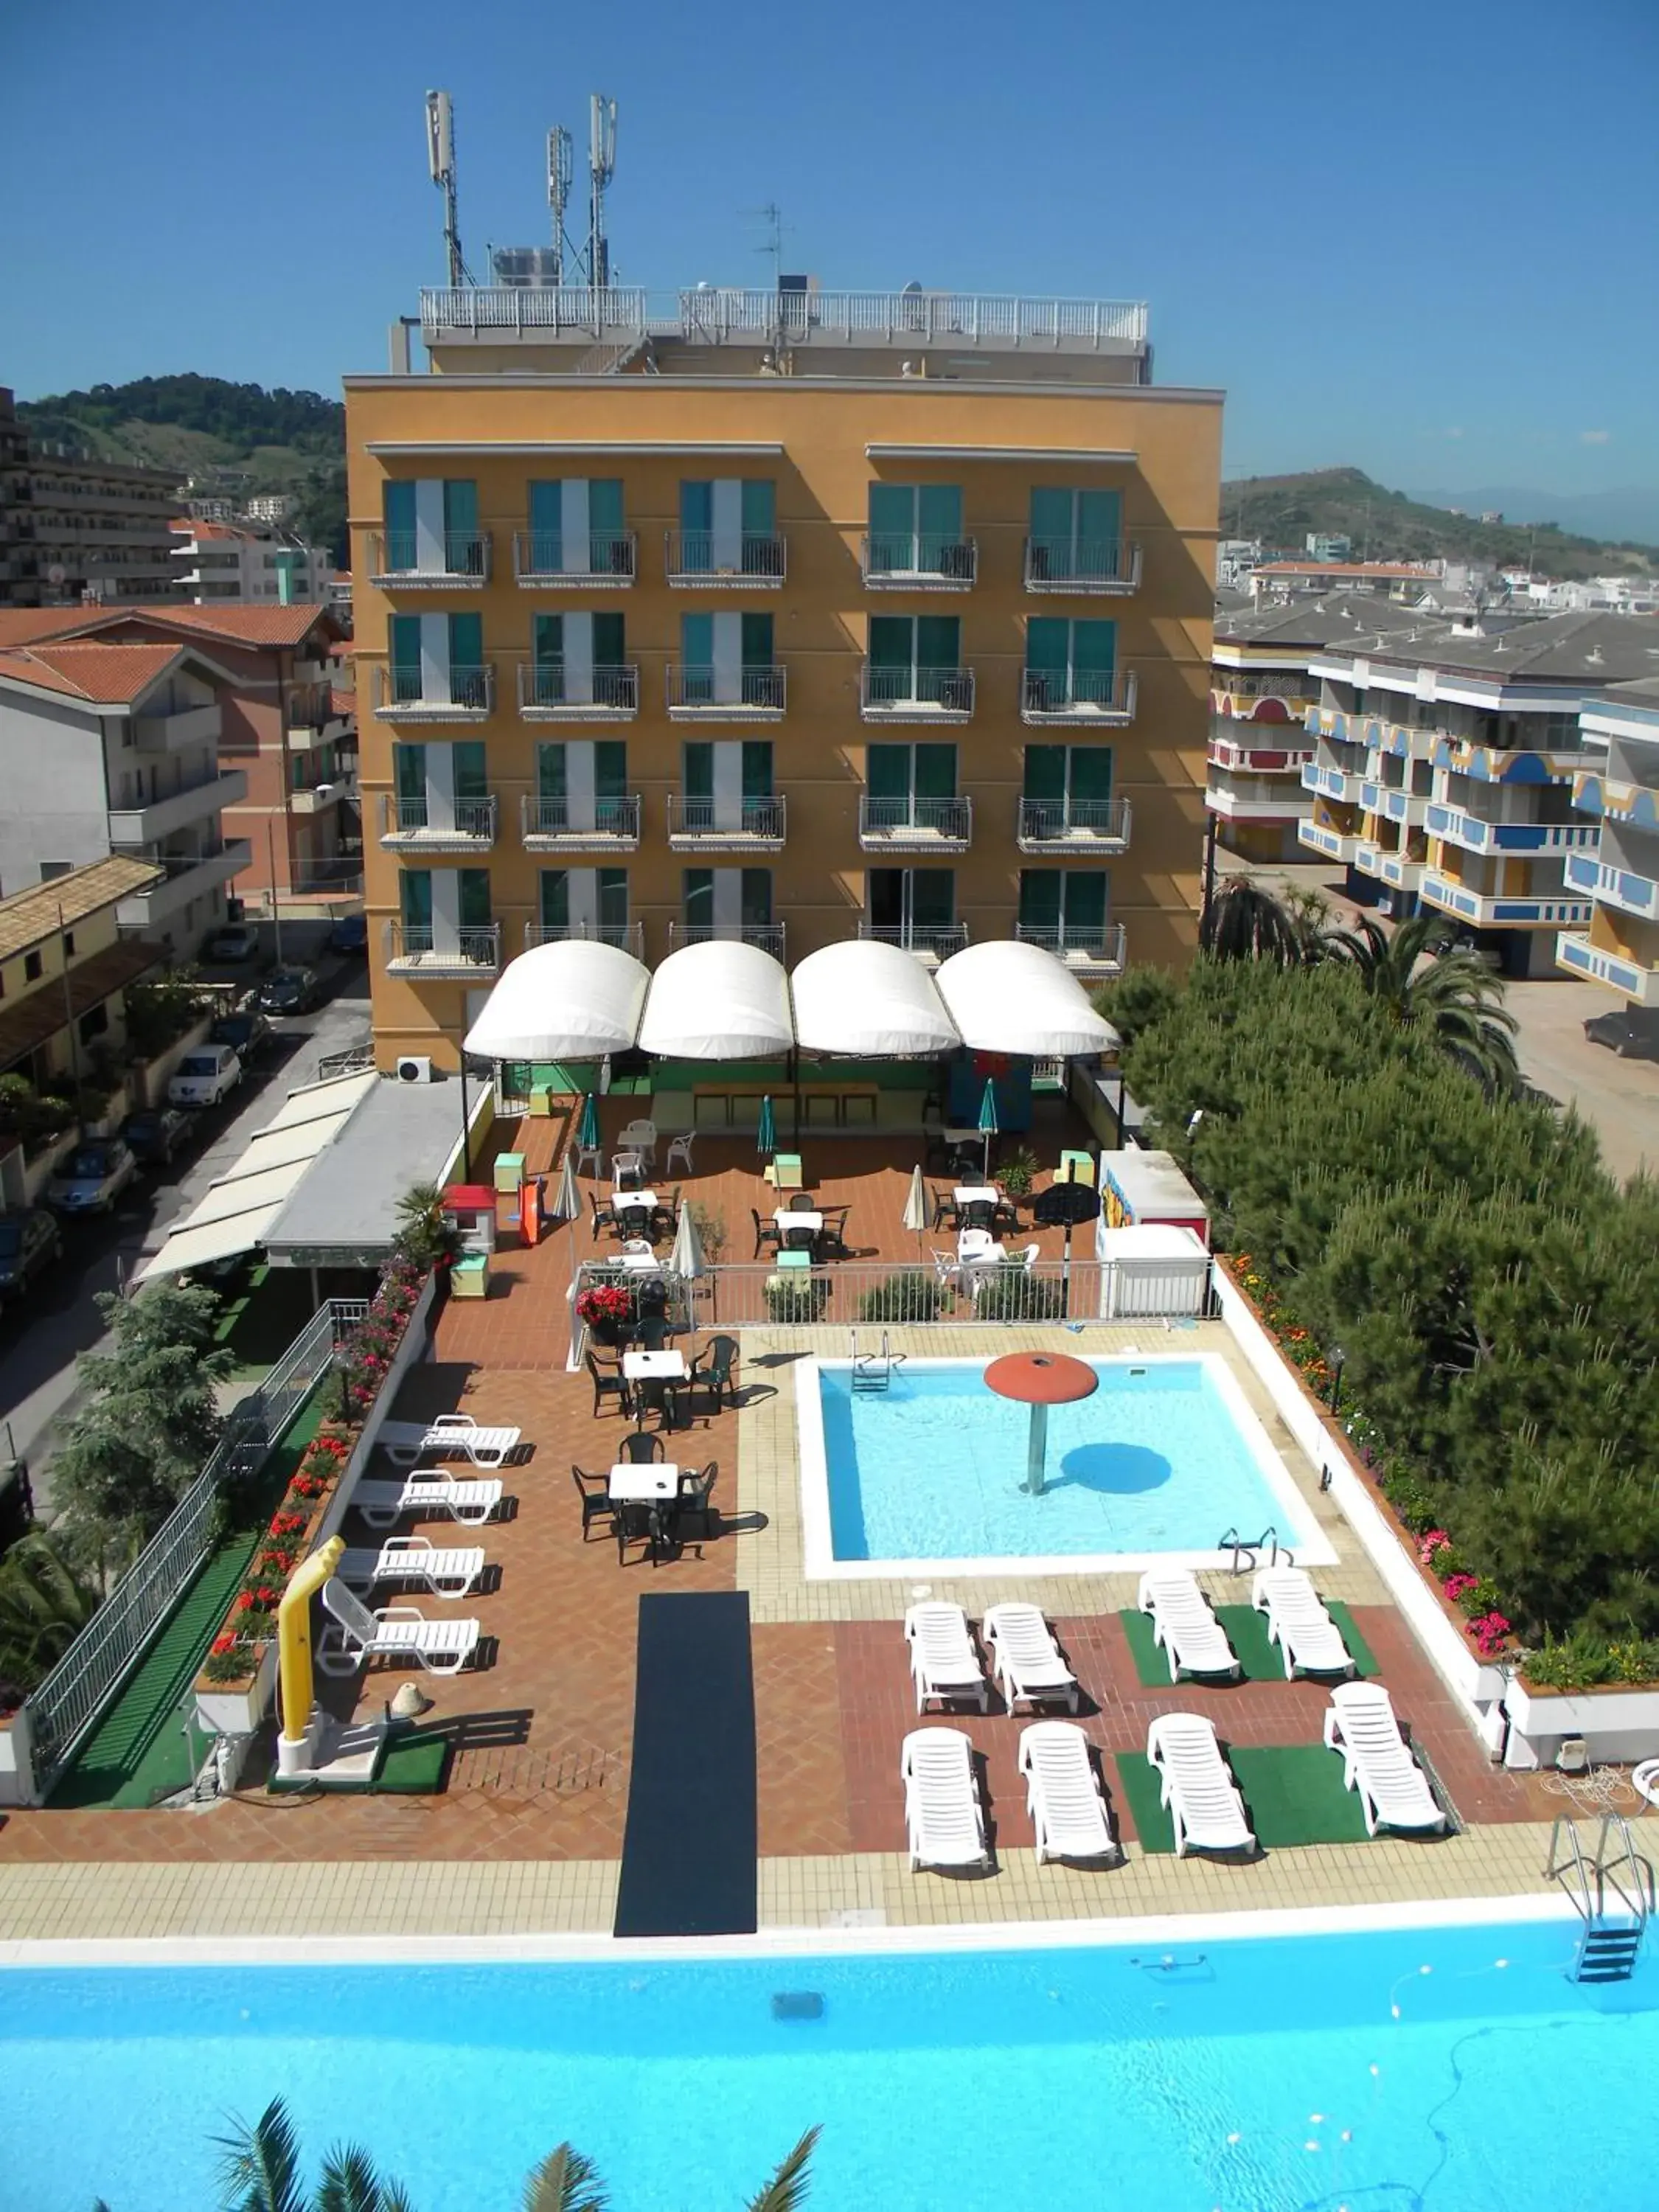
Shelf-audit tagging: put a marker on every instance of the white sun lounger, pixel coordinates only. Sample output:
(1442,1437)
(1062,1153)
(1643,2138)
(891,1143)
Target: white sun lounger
(451,1572)
(396,1632)
(943,1815)
(1063,1794)
(450,1435)
(1194,1640)
(1027,1659)
(1377,1761)
(1197,1786)
(382,1504)
(944,1663)
(1297,1622)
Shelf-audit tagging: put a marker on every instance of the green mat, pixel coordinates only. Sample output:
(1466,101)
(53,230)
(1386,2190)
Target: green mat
(1293,1794)
(1247,1631)
(415,1764)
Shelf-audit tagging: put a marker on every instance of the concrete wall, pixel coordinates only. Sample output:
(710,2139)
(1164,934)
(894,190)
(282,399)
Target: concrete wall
(51,774)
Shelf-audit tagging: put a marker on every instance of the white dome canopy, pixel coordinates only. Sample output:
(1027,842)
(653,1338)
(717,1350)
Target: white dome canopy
(719,1000)
(573,999)
(871,1002)
(1004,996)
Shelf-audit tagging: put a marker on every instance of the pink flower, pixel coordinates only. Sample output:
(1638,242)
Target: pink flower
(1436,1541)
(1457,1584)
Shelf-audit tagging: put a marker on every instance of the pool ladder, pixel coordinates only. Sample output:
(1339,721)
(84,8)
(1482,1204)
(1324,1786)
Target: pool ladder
(1249,1548)
(873,1370)
(1609,1942)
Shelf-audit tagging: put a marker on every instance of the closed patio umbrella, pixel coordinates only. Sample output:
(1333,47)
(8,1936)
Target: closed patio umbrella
(987,1120)
(588,1134)
(568,1203)
(916,1206)
(766,1135)
(686,1259)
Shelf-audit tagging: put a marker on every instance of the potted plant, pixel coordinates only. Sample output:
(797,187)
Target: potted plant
(796,1300)
(1018,1173)
(606,1311)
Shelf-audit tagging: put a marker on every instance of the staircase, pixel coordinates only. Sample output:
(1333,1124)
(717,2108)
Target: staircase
(872,1371)
(1610,1938)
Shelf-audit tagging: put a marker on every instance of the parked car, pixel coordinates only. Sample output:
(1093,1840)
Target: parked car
(288,991)
(1632,1032)
(349,935)
(205,1076)
(154,1135)
(28,1242)
(93,1177)
(248,1033)
(234,944)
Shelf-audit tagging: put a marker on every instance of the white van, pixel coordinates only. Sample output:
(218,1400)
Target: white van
(204,1077)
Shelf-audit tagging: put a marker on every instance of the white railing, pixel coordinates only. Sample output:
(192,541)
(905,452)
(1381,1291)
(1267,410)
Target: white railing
(1101,946)
(915,821)
(584,310)
(1096,823)
(766,936)
(724,313)
(628,936)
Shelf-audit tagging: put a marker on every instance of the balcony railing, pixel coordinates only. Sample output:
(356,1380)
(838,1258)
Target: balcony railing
(1078,695)
(1102,567)
(164,815)
(1635,978)
(701,559)
(414,949)
(1097,951)
(541,558)
(916,695)
(928,940)
(403,693)
(915,560)
(409,821)
(766,936)
(1614,886)
(1473,833)
(721,825)
(549,693)
(1095,825)
(553,825)
(937,824)
(627,936)
(406,559)
(694,689)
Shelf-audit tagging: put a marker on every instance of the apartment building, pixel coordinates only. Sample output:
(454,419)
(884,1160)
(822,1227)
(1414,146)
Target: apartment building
(72,529)
(1446,764)
(1620,945)
(792,617)
(63,961)
(248,564)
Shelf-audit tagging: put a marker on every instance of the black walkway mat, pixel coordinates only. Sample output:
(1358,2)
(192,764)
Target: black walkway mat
(688,1863)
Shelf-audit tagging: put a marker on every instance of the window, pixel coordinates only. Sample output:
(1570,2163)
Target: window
(94,1024)
(49,870)
(728,526)
(414,905)
(475,911)
(1069,664)
(69,944)
(910,786)
(471,777)
(33,967)
(1076,534)
(909,906)
(576,527)
(916,658)
(726,660)
(1064,908)
(916,529)
(1067,787)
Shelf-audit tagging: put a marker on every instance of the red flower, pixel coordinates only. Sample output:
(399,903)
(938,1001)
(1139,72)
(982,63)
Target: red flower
(221,1644)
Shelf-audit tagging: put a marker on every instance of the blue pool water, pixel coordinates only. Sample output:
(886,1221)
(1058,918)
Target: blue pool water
(932,1468)
(1251,2076)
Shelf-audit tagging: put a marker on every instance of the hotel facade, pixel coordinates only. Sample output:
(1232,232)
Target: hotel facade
(1620,945)
(790,616)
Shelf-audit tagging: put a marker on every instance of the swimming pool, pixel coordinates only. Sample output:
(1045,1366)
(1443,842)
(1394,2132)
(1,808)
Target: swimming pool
(1169,2075)
(1149,1472)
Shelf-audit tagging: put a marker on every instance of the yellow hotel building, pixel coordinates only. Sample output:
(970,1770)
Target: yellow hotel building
(791,615)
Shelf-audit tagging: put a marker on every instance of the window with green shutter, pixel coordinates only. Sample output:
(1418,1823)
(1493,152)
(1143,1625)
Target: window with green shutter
(472,887)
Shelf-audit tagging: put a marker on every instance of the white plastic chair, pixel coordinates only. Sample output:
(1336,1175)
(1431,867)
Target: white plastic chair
(1298,1623)
(1063,1794)
(1196,1786)
(1194,1640)
(944,1663)
(640,1137)
(1377,1761)
(679,1152)
(944,1818)
(590,1160)
(1026,1658)
(396,1632)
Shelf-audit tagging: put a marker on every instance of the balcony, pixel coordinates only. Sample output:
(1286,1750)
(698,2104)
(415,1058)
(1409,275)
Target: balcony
(705,560)
(1409,808)
(626,936)
(466,694)
(606,560)
(1255,699)
(1056,695)
(564,825)
(176,730)
(317,798)
(310,737)
(1107,567)
(916,695)
(753,695)
(765,936)
(409,824)
(931,941)
(1329,844)
(197,802)
(1498,910)
(915,825)
(1086,827)
(918,561)
(407,561)
(1346,786)
(1284,805)
(548,692)
(1637,804)
(1383,866)
(1256,760)
(1497,765)
(1597,965)
(186,877)
(1086,952)
(419,950)
(1472,835)
(1612,885)
(719,825)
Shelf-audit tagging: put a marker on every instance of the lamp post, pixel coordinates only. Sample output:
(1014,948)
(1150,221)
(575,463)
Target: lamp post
(1339,1361)
(467,1125)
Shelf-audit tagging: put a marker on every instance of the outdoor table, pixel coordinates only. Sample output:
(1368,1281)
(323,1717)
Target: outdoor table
(976,1193)
(786,1223)
(628,1484)
(665,1370)
(620,1198)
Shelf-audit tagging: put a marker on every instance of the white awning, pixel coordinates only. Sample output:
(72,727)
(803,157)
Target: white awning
(871,1002)
(720,1000)
(573,999)
(1004,996)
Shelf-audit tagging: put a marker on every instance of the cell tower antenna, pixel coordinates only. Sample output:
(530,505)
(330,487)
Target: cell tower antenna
(560,173)
(440,159)
(772,215)
(601,168)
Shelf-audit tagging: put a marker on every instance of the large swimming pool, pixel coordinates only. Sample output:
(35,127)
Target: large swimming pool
(1153,1470)
(1420,2069)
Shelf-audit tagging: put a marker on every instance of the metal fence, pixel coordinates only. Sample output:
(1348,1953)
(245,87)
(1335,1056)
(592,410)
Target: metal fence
(75,1693)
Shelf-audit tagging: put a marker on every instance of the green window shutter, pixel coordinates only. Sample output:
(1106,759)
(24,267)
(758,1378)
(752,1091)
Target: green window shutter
(473,887)
(1051,515)
(884,892)
(1084,901)
(1045,772)
(1091,774)
(610,640)
(757,895)
(939,518)
(891,638)
(613,899)
(462,555)
(609,767)
(936,771)
(466,641)
(556,898)
(547,641)
(887,771)
(697,641)
(697,768)
(757,640)
(467,756)
(604,505)
(1099,523)
(1039,898)
(1046,641)
(697,896)
(760,507)
(415,897)
(404,644)
(550,778)
(398,510)
(408,770)
(939,642)
(892,512)
(932,897)
(696,505)
(757,768)
(547,525)
(1093,647)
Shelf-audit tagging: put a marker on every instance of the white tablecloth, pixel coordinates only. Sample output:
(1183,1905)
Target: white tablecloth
(654,1366)
(629,1484)
(976,1194)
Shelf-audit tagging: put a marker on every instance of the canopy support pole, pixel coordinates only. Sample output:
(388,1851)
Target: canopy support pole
(1037,1450)
(794,1080)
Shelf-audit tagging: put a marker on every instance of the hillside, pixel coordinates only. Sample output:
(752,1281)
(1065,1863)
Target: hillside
(233,438)
(1386,526)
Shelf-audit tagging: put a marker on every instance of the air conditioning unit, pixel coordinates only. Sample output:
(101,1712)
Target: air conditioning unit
(414,1067)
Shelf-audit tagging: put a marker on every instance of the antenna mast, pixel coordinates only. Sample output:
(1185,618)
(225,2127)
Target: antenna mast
(440,159)
(601,168)
(560,172)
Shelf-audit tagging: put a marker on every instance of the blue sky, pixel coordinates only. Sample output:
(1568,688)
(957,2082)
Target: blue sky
(1420,239)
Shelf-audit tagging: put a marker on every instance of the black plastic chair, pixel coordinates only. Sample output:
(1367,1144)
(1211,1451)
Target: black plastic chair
(799,1240)
(633,1219)
(612,1388)
(638,1522)
(944,1208)
(711,1369)
(652,1332)
(979,1214)
(766,1233)
(800,1201)
(593,1490)
(693,1506)
(641,1449)
(604,1217)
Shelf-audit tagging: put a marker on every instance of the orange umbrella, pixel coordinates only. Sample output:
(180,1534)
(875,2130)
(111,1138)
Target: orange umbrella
(1039,1380)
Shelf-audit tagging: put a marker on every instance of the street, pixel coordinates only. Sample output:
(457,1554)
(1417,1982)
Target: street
(42,1338)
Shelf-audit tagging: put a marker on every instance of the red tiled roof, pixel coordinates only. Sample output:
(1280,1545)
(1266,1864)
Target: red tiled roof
(28,625)
(341,702)
(106,675)
(250,626)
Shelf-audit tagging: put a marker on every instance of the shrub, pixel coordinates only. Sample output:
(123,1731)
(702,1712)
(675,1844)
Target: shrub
(1410,1497)
(913,1296)
(1012,1295)
(794,1301)
(1018,1172)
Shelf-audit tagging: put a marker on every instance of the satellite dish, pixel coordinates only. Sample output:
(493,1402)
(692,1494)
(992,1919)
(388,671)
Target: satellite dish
(56,574)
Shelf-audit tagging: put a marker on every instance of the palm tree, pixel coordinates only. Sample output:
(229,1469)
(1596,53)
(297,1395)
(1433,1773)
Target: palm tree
(1447,990)
(45,1603)
(1245,921)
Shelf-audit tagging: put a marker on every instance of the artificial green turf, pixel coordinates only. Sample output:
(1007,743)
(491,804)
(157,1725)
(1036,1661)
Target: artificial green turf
(1247,1631)
(136,1754)
(1293,1794)
(416,1764)
(1138,1779)
(260,1324)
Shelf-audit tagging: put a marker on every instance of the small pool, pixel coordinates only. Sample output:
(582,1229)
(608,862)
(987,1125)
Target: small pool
(1150,1471)
(1438,2068)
